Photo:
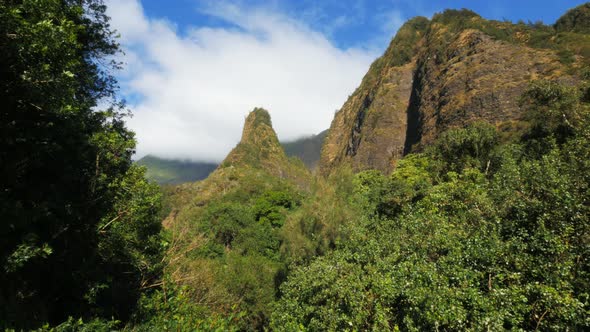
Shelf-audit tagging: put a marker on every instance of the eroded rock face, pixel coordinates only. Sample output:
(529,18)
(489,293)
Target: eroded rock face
(369,131)
(480,79)
(454,78)
(379,142)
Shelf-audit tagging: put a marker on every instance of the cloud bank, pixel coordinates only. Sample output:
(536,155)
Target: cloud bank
(190,90)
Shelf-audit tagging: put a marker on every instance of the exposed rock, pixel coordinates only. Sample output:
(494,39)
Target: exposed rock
(480,79)
(369,131)
(459,68)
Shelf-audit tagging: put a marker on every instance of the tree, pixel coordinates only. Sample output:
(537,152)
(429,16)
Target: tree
(462,148)
(455,245)
(78,222)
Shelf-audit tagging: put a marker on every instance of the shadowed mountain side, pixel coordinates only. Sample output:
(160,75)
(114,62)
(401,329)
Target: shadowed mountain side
(171,171)
(307,149)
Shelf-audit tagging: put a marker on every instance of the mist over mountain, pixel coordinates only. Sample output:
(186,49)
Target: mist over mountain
(171,171)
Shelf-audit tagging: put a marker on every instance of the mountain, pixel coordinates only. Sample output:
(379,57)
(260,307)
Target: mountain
(257,158)
(259,146)
(171,171)
(307,149)
(474,135)
(259,151)
(447,72)
(227,229)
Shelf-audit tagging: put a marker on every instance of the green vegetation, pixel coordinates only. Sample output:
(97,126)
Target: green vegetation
(568,37)
(405,42)
(224,259)
(261,117)
(168,171)
(401,50)
(474,233)
(225,256)
(80,224)
(470,235)
(479,231)
(259,149)
(575,20)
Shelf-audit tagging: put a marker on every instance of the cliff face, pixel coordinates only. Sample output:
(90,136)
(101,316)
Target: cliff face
(369,131)
(439,74)
(476,78)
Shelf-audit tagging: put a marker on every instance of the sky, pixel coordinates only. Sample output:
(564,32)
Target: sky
(193,69)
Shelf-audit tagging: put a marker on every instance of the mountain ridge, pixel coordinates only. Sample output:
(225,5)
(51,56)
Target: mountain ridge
(445,73)
(166,171)
(172,171)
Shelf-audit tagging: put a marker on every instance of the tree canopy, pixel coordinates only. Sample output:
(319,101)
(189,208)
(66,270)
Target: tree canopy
(79,224)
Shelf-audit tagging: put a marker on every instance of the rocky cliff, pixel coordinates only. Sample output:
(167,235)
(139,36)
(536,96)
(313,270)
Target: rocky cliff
(445,73)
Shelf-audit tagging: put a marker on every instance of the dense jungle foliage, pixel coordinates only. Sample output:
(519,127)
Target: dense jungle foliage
(474,233)
(480,231)
(471,234)
(79,224)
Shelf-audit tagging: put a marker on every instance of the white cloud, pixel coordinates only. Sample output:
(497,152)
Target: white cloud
(196,87)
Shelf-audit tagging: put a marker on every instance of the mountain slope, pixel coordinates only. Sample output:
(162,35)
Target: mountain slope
(307,149)
(170,171)
(446,73)
(227,228)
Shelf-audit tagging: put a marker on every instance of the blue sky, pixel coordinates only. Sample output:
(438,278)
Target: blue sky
(195,68)
(360,22)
